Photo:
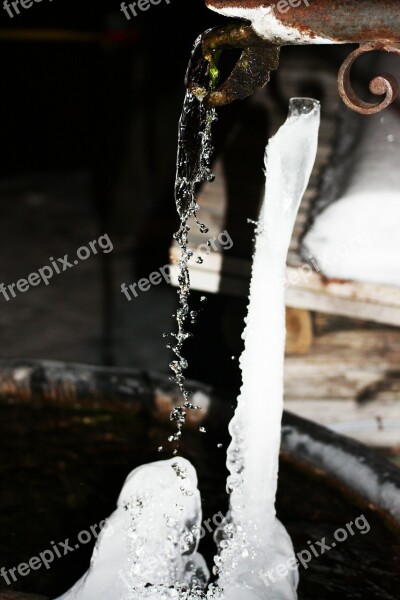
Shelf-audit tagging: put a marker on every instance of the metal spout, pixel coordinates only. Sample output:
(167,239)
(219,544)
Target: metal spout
(253,68)
(374,24)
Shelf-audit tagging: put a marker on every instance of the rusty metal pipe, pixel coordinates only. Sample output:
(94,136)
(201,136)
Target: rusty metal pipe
(374,24)
(317,21)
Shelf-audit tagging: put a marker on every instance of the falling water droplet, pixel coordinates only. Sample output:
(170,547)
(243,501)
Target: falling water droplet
(195,152)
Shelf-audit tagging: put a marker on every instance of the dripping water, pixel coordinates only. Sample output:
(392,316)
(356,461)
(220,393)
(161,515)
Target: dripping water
(195,152)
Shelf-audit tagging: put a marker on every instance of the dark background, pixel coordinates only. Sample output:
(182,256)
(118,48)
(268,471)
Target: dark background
(89,134)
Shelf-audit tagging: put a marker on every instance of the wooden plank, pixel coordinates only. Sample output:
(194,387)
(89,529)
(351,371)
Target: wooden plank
(375,424)
(347,365)
(305,290)
(299,331)
(367,301)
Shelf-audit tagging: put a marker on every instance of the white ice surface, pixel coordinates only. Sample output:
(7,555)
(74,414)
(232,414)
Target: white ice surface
(352,470)
(255,542)
(151,538)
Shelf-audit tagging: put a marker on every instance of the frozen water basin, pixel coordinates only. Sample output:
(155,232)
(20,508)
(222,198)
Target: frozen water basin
(64,458)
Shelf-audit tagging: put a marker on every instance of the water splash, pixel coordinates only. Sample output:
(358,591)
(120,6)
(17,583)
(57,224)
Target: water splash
(195,152)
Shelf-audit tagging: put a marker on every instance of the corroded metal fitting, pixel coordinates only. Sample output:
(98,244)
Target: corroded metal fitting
(252,69)
(374,24)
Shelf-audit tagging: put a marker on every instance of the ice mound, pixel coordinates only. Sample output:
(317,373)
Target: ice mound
(149,544)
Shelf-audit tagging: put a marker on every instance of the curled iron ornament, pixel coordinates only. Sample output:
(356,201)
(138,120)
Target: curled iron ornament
(383,85)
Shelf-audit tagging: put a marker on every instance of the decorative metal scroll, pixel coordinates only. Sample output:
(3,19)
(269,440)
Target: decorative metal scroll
(383,85)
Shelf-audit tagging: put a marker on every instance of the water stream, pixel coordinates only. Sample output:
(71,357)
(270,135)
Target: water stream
(193,168)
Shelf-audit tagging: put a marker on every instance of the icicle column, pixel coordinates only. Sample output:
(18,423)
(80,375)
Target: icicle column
(256,426)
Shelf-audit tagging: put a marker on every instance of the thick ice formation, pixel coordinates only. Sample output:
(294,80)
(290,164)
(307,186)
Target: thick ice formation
(148,551)
(357,237)
(150,540)
(255,541)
